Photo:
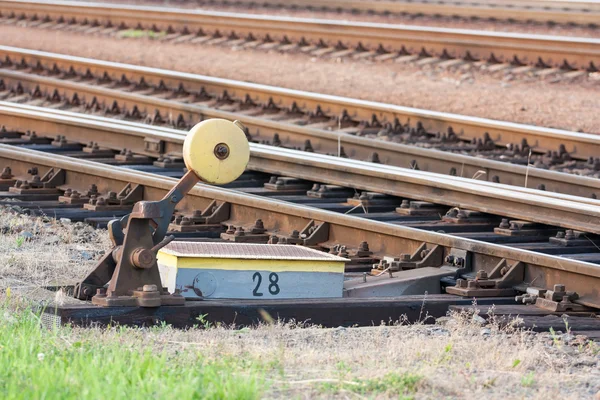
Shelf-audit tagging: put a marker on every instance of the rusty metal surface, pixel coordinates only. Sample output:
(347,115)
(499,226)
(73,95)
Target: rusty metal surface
(531,205)
(350,113)
(552,51)
(580,12)
(384,239)
(247,251)
(570,146)
(117,134)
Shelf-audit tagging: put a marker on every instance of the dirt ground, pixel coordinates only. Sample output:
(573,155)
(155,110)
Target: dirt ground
(467,90)
(458,357)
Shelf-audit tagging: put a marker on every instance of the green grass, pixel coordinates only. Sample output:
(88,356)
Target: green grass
(37,363)
(139,33)
(404,386)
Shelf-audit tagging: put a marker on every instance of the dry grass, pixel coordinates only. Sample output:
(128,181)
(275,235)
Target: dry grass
(456,359)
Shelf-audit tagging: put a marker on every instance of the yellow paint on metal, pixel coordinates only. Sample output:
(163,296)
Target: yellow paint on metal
(200,156)
(170,260)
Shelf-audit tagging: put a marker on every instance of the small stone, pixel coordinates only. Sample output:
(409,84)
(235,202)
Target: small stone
(443,320)
(26,235)
(86,256)
(485,332)
(65,221)
(478,320)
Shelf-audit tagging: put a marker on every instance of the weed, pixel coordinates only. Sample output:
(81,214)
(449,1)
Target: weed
(202,319)
(392,384)
(20,241)
(139,33)
(516,363)
(527,380)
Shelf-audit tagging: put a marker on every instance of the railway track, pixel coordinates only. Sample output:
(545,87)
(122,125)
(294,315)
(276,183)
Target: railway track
(319,123)
(315,37)
(54,178)
(560,12)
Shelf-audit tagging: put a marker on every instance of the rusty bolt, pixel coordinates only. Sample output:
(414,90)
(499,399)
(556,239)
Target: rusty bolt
(239,231)
(560,288)
(230,229)
(186,221)
(149,288)
(342,252)
(404,257)
(405,204)
(178,218)
(295,234)
(6,173)
(472,285)
(450,259)
(36,179)
(461,283)
(560,234)
(569,234)
(101,201)
(112,195)
(363,246)
(481,275)
(514,226)
(452,213)
(68,192)
(461,214)
(273,240)
(273,180)
(315,187)
(197,213)
(101,292)
(504,224)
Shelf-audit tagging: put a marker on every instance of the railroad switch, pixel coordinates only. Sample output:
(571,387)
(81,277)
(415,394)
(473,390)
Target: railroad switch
(215,151)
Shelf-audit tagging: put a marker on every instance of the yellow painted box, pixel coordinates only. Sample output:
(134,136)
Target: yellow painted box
(250,271)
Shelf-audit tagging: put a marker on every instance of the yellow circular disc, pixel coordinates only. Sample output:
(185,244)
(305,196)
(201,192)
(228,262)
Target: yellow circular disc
(216,150)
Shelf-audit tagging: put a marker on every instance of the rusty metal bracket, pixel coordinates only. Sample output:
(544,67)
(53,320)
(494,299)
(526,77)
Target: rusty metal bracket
(209,219)
(422,257)
(499,282)
(555,300)
(113,201)
(314,233)
(45,185)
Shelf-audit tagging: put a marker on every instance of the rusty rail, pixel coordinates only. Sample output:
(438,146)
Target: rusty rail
(550,51)
(520,203)
(579,12)
(263,129)
(384,238)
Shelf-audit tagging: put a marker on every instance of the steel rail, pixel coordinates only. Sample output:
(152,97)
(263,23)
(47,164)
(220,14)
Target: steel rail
(579,12)
(119,134)
(551,51)
(384,238)
(579,145)
(524,204)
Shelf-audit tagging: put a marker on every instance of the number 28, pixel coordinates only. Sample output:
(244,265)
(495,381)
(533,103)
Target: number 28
(273,284)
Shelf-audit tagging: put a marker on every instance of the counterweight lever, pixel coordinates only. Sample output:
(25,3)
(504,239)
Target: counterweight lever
(215,151)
